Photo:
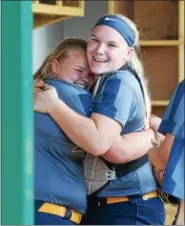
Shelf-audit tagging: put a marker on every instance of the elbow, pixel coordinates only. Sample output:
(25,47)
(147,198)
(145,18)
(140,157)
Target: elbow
(116,157)
(97,150)
(124,160)
(96,146)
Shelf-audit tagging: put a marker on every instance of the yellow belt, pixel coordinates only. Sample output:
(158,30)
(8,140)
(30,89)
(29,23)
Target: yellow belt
(60,211)
(111,200)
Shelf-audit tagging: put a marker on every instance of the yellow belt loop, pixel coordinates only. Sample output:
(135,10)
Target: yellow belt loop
(60,211)
(147,196)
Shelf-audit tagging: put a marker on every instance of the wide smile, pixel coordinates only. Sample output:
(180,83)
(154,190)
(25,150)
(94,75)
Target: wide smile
(99,60)
(81,84)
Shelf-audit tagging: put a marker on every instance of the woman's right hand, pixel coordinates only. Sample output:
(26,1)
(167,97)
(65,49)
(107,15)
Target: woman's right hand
(39,83)
(154,122)
(46,100)
(158,139)
(154,125)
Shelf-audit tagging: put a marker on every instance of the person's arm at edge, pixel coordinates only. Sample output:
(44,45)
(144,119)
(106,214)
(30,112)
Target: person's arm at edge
(159,156)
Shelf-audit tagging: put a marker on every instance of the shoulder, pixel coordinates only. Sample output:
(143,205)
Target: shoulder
(117,86)
(174,115)
(177,100)
(182,83)
(66,87)
(124,78)
(122,74)
(179,91)
(177,97)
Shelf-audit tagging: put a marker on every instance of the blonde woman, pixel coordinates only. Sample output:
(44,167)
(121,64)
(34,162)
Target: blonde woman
(121,106)
(60,194)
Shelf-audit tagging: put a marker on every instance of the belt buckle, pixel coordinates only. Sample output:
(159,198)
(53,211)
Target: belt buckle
(110,175)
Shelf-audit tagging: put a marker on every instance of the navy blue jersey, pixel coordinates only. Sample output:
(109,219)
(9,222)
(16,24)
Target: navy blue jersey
(59,176)
(120,98)
(173,123)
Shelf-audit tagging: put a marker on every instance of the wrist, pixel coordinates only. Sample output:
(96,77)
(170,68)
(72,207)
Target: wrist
(153,116)
(54,106)
(151,133)
(154,141)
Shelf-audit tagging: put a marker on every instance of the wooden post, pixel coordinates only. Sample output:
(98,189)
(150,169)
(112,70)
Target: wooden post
(59,3)
(181,41)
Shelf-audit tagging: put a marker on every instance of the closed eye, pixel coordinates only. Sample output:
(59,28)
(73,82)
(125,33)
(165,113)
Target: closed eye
(95,40)
(112,45)
(79,70)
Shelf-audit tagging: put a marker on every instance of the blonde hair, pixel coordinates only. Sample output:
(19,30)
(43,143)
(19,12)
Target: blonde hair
(138,67)
(59,53)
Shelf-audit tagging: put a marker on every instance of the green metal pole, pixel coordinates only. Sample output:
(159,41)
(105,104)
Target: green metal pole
(17,113)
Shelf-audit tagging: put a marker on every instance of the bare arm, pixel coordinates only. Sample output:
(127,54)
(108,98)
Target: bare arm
(159,156)
(130,147)
(94,135)
(91,134)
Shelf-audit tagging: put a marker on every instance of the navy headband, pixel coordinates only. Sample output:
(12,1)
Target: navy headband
(120,26)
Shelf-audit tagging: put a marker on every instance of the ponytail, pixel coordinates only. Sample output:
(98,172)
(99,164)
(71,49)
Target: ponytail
(138,67)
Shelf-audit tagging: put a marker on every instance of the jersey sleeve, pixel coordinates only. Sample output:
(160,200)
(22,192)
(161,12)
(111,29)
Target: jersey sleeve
(116,100)
(174,114)
(86,101)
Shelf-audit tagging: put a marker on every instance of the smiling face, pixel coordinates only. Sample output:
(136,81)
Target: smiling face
(107,50)
(74,68)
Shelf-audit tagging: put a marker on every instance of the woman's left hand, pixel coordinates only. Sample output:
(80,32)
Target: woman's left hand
(45,100)
(154,123)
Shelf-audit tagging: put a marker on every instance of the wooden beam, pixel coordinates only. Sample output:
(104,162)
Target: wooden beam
(56,10)
(160,42)
(42,20)
(59,2)
(181,39)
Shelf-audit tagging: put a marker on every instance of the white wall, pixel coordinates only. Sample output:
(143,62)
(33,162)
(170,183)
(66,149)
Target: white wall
(46,38)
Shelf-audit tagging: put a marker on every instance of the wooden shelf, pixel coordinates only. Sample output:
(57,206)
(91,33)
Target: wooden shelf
(160,102)
(160,42)
(156,20)
(50,11)
(56,10)
(158,110)
(161,28)
(161,68)
(40,20)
